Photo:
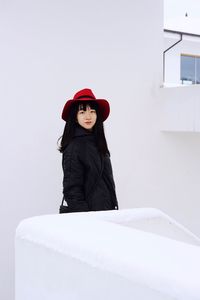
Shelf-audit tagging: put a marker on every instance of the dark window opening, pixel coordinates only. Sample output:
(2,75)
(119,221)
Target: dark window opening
(190,69)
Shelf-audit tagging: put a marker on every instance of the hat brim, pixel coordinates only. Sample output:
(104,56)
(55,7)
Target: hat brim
(103,105)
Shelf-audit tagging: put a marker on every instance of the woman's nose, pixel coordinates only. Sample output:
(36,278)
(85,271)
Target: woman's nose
(88,115)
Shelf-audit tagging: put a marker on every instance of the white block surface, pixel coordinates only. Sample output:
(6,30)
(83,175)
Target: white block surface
(106,255)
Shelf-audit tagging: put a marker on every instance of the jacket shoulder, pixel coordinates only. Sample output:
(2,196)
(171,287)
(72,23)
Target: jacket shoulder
(76,148)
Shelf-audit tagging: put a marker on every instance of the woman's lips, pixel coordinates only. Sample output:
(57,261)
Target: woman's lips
(88,122)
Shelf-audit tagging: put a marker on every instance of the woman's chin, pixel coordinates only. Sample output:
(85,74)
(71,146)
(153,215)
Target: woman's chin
(87,126)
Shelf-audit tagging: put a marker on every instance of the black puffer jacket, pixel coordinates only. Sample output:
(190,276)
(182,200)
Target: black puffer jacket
(83,187)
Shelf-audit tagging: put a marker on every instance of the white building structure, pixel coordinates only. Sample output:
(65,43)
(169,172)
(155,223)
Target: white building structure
(136,253)
(181,58)
(181,68)
(49,50)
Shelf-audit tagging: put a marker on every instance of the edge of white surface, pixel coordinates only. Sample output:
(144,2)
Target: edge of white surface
(183,24)
(148,259)
(127,215)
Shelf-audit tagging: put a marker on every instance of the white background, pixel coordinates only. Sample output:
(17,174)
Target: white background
(51,49)
(178,8)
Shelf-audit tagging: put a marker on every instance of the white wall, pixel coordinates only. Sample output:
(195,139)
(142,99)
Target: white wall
(181,108)
(51,49)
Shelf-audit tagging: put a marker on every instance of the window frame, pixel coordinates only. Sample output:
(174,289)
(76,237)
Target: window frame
(195,66)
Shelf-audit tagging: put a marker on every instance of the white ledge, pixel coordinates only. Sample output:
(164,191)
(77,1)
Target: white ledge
(150,265)
(180,108)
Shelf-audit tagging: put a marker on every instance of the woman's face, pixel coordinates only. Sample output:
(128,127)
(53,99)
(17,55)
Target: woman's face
(86,118)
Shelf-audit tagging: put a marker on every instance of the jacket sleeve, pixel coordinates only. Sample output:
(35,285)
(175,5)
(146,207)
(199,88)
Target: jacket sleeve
(109,172)
(73,180)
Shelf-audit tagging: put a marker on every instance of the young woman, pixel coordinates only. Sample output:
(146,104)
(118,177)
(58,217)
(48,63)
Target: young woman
(88,183)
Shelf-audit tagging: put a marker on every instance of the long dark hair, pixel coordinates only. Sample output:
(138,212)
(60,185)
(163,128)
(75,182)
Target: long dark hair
(71,124)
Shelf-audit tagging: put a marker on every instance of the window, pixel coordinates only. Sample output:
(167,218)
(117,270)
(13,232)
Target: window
(190,69)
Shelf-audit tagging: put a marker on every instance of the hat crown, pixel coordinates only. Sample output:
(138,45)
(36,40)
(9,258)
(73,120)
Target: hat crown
(84,93)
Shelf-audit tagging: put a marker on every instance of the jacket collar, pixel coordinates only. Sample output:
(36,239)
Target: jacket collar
(80,131)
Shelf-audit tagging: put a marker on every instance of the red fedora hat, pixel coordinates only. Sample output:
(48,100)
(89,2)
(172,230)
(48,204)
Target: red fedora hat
(86,95)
